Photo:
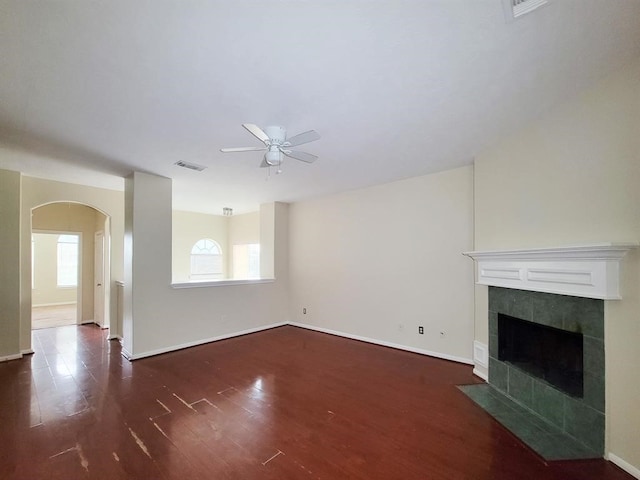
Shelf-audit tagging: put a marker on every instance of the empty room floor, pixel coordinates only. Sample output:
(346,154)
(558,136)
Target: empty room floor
(53,316)
(285,403)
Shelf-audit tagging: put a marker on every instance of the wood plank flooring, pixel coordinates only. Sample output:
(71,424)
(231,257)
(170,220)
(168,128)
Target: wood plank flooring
(286,403)
(53,316)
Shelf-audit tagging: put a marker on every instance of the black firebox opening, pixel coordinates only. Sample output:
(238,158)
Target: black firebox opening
(548,353)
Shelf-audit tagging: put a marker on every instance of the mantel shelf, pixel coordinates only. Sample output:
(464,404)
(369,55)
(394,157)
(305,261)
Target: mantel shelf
(591,271)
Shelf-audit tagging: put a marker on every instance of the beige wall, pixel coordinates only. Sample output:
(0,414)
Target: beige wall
(381,261)
(572,178)
(37,192)
(187,229)
(243,229)
(45,273)
(158,317)
(10,191)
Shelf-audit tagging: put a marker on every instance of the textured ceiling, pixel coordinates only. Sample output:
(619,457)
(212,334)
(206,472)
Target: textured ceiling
(92,90)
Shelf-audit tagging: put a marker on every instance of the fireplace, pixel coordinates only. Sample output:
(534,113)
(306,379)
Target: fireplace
(547,353)
(554,288)
(550,339)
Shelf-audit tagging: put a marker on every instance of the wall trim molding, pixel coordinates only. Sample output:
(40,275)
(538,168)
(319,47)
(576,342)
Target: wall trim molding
(481,354)
(195,343)
(591,271)
(383,343)
(480,374)
(7,358)
(397,346)
(125,353)
(624,465)
(220,283)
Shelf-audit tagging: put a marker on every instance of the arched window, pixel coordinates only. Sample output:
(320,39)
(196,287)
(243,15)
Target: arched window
(206,260)
(67,261)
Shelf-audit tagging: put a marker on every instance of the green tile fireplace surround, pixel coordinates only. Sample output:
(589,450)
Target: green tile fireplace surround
(581,421)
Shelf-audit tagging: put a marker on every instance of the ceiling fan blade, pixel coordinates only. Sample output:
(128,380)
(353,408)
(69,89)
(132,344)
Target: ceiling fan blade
(257,132)
(301,138)
(304,156)
(243,149)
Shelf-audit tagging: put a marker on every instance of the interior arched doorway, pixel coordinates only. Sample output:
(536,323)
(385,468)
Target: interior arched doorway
(90,227)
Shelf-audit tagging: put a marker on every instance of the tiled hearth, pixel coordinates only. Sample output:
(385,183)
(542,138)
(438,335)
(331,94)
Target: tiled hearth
(555,424)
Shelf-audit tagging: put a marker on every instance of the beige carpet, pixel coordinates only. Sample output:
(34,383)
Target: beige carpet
(53,316)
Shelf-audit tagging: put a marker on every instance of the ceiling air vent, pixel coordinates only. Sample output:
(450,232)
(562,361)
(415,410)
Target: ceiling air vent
(190,166)
(517,8)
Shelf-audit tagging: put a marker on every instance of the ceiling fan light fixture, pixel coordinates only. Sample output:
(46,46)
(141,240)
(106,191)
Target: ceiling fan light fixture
(273,157)
(276,144)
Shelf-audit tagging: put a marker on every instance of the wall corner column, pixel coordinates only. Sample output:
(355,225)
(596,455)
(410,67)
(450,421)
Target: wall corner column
(10,278)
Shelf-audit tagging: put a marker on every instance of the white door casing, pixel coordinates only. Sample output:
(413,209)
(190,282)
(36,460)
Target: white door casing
(98,275)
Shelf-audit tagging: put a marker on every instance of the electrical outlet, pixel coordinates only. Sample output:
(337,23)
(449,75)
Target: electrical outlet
(442,334)
(304,311)
(421,330)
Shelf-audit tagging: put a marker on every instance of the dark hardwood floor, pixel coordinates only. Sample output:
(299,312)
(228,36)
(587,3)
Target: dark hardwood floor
(285,403)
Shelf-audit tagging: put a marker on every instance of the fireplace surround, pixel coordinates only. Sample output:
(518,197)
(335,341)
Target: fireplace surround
(561,288)
(582,418)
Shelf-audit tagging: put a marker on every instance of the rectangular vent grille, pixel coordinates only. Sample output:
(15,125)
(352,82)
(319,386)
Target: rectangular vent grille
(190,166)
(521,7)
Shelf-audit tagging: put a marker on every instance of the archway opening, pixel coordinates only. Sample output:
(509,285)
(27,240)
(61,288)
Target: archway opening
(70,265)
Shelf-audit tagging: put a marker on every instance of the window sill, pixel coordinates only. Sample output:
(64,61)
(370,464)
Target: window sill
(220,283)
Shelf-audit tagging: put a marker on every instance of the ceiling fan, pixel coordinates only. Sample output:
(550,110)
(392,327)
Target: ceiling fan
(277,145)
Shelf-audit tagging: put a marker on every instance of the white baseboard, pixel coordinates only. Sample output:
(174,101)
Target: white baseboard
(398,346)
(87,322)
(626,466)
(374,341)
(28,351)
(114,337)
(199,342)
(480,374)
(15,356)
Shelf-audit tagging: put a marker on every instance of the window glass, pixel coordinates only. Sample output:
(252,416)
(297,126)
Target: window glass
(67,261)
(246,261)
(206,260)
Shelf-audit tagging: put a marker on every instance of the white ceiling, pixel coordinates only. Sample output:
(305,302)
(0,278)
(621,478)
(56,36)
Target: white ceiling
(91,90)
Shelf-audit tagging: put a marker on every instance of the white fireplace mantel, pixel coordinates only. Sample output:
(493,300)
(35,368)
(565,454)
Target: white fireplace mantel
(591,271)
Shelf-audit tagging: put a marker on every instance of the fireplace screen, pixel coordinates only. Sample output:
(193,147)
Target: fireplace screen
(548,353)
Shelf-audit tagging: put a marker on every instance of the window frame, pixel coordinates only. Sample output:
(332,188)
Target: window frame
(216,258)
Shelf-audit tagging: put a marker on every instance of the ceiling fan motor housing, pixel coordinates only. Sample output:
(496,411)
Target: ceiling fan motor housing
(276,134)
